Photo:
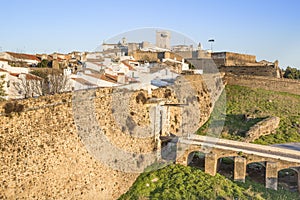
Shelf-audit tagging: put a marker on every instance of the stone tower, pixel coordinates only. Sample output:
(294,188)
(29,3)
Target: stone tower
(163,39)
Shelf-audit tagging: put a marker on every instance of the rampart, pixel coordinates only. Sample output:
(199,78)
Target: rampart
(43,155)
(267,83)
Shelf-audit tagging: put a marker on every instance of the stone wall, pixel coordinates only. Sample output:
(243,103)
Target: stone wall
(155,56)
(267,83)
(50,149)
(267,71)
(42,156)
(231,59)
(264,127)
(145,56)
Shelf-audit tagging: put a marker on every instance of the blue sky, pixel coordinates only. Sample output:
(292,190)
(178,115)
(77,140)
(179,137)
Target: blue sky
(269,29)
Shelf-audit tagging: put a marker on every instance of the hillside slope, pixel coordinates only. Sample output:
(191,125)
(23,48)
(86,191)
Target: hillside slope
(258,104)
(180,182)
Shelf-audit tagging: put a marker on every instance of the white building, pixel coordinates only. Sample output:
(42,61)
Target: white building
(20,57)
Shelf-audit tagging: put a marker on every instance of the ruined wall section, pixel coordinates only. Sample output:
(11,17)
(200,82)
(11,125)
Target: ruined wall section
(264,127)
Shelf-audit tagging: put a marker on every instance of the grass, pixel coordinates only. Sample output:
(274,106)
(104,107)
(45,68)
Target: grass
(236,102)
(259,104)
(180,182)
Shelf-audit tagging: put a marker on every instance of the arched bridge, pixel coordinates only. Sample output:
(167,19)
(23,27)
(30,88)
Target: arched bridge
(274,159)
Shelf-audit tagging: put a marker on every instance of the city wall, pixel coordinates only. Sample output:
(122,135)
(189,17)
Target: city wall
(43,155)
(230,58)
(154,56)
(266,71)
(267,83)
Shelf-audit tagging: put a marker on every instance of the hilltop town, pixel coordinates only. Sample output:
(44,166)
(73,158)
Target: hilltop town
(132,65)
(86,124)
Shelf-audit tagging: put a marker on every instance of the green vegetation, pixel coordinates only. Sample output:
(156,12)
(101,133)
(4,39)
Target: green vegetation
(11,107)
(44,64)
(2,91)
(180,182)
(246,106)
(292,73)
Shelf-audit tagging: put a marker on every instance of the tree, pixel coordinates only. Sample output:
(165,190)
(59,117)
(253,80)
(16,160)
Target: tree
(29,85)
(2,91)
(58,82)
(292,73)
(54,81)
(43,64)
(42,82)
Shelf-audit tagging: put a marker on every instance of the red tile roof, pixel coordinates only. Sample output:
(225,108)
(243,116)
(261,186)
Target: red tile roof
(83,81)
(24,56)
(109,77)
(32,77)
(2,70)
(105,77)
(128,65)
(2,59)
(15,74)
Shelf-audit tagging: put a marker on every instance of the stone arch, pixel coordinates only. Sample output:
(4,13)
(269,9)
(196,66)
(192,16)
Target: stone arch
(225,166)
(256,171)
(288,179)
(196,159)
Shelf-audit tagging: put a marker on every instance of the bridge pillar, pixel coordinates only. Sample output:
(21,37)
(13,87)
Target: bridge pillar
(297,169)
(239,169)
(211,161)
(182,154)
(298,173)
(271,175)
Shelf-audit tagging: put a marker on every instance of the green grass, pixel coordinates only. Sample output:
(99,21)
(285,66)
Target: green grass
(259,104)
(180,182)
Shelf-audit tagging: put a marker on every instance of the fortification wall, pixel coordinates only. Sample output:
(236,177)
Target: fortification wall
(145,56)
(267,83)
(230,58)
(155,56)
(234,58)
(43,154)
(268,71)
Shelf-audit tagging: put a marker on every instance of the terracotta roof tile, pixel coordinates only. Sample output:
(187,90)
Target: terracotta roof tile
(83,81)
(23,56)
(128,65)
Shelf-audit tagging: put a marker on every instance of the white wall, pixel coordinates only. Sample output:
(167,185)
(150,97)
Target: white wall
(93,66)
(4,65)
(10,89)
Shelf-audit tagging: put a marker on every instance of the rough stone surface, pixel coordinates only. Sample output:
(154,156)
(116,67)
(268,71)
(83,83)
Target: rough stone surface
(264,127)
(44,151)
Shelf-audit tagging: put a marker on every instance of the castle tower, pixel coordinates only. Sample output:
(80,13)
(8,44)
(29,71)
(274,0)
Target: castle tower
(163,39)
(124,41)
(199,46)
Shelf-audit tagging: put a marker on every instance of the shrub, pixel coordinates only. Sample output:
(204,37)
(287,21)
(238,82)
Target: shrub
(141,98)
(10,107)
